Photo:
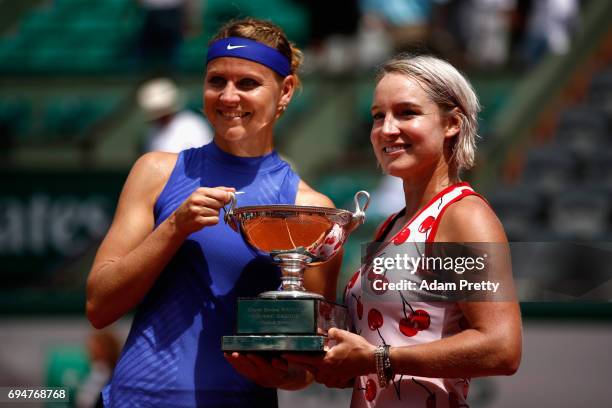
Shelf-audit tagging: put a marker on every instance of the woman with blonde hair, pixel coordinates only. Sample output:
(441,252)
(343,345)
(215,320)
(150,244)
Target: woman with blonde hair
(411,350)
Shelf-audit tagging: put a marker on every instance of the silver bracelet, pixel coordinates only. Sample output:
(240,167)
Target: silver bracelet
(383,365)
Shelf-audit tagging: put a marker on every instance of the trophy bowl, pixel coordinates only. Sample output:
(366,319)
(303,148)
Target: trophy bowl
(296,237)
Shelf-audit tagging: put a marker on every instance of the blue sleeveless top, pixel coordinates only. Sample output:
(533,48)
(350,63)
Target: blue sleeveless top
(172,357)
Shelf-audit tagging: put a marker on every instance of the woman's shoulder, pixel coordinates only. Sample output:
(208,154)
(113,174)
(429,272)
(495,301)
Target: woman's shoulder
(151,171)
(306,195)
(470,219)
(155,165)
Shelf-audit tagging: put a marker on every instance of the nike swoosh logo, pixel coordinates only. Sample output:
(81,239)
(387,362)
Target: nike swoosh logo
(233,47)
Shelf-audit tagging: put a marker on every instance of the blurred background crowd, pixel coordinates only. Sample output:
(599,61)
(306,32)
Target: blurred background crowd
(86,87)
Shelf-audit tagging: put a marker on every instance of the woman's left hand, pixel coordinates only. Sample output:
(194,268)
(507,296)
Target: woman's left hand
(350,357)
(275,373)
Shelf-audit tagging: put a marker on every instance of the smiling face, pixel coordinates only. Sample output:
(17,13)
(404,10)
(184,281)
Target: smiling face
(410,135)
(242,101)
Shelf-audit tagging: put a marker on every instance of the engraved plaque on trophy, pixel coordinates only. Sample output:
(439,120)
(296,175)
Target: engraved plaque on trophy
(296,237)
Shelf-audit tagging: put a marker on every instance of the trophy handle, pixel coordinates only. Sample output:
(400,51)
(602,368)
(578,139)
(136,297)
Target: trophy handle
(229,214)
(359,214)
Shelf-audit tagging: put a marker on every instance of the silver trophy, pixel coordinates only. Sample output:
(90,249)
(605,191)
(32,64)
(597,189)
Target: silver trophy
(296,237)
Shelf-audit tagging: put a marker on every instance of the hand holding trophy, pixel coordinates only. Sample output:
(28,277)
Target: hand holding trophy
(296,237)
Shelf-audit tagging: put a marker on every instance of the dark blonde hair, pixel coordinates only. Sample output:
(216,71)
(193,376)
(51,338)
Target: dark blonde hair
(449,89)
(266,33)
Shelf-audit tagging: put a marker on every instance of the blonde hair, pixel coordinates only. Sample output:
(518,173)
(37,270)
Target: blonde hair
(266,33)
(449,89)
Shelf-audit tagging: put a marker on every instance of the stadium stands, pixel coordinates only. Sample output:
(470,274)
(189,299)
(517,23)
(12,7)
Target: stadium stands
(565,192)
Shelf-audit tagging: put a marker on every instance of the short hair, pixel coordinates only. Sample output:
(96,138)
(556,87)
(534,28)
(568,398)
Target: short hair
(266,33)
(449,89)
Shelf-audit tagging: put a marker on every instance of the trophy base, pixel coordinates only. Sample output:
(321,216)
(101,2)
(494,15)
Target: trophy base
(290,294)
(277,343)
(295,324)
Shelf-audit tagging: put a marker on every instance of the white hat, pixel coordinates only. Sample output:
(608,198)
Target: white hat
(159,97)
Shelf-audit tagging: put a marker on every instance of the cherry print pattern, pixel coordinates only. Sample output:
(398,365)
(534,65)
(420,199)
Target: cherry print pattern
(381,285)
(373,275)
(414,319)
(359,306)
(430,402)
(353,280)
(402,236)
(375,319)
(426,224)
(418,320)
(370,390)
(397,386)
(330,246)
(466,386)
(351,283)
(381,277)
(369,261)
(453,401)
(375,322)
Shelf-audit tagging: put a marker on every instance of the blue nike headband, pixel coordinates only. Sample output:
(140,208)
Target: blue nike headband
(239,47)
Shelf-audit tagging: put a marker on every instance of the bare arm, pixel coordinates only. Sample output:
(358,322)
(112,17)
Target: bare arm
(133,254)
(492,343)
(490,346)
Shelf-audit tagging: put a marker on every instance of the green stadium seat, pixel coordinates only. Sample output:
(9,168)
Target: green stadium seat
(70,117)
(52,37)
(364,102)
(14,117)
(192,55)
(292,18)
(37,20)
(71,36)
(13,55)
(341,187)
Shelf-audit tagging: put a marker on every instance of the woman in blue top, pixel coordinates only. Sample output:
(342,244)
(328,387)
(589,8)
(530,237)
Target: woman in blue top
(167,255)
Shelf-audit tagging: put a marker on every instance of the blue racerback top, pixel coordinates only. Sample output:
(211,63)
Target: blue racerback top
(172,357)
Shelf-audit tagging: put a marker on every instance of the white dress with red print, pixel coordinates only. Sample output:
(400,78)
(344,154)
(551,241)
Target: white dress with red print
(386,317)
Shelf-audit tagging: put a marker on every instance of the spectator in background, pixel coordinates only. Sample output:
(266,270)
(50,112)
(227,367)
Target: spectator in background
(407,21)
(486,27)
(165,23)
(332,39)
(549,28)
(172,129)
(103,348)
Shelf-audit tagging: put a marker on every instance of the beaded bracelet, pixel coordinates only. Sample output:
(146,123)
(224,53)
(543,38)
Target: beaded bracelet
(383,365)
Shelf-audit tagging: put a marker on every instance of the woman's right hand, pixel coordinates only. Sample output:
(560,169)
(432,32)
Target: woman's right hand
(135,251)
(274,373)
(201,209)
(350,357)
